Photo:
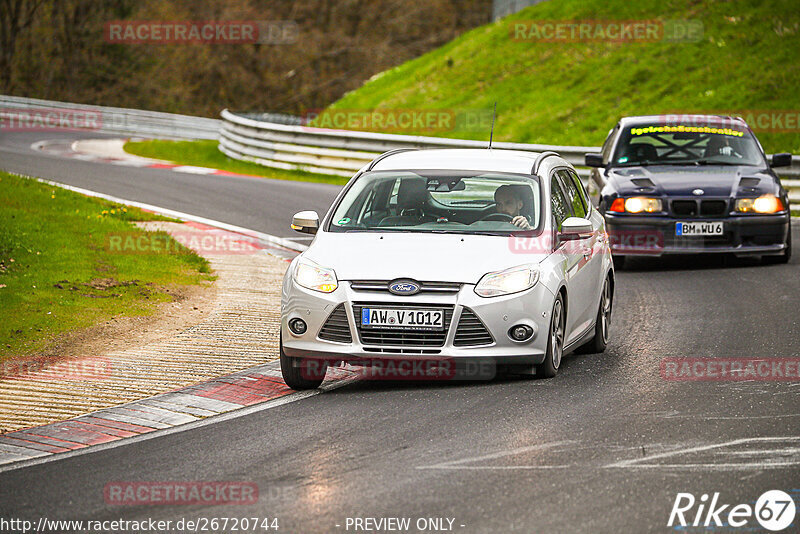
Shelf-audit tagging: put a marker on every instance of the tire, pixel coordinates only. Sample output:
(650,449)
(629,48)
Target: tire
(555,341)
(783,257)
(298,374)
(619,262)
(599,341)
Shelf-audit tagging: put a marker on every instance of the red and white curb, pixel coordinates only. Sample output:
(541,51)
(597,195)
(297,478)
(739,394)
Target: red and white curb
(259,387)
(111,151)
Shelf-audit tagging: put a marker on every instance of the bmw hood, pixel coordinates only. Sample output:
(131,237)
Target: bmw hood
(420,256)
(673,180)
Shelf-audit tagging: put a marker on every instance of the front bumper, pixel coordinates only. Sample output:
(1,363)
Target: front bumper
(498,315)
(632,235)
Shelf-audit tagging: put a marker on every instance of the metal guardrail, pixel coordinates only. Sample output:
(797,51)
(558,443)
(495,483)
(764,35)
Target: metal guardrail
(31,113)
(290,146)
(339,152)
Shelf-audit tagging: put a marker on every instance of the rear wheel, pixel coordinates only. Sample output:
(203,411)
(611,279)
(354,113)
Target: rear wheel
(555,341)
(302,373)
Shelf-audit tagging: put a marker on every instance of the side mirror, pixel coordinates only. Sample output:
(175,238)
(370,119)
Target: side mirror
(594,159)
(784,159)
(306,222)
(575,228)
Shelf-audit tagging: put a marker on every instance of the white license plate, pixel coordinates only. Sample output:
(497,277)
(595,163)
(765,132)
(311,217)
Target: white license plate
(698,228)
(418,319)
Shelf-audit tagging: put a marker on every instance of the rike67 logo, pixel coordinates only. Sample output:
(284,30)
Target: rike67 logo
(775,511)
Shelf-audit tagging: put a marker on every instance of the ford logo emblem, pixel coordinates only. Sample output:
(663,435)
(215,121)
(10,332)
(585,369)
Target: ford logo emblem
(698,192)
(404,287)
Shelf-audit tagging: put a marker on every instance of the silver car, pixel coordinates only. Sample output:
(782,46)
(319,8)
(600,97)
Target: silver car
(455,255)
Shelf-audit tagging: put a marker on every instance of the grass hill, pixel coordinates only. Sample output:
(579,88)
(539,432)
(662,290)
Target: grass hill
(571,92)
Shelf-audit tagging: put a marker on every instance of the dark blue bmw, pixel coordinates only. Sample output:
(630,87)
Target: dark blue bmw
(687,184)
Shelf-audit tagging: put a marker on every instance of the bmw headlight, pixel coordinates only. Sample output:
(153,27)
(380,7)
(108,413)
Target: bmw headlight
(315,277)
(509,281)
(636,205)
(762,204)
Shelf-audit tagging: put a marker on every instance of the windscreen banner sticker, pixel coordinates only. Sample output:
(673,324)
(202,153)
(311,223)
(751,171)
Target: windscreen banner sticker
(688,129)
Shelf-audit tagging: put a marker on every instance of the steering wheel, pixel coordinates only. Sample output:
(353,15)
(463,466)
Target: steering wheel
(504,217)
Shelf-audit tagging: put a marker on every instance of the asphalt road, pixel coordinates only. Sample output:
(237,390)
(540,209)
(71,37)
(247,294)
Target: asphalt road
(604,447)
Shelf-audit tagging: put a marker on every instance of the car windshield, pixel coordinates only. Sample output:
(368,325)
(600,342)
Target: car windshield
(660,144)
(440,202)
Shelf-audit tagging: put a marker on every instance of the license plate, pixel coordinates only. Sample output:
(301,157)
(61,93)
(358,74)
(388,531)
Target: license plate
(416,319)
(698,228)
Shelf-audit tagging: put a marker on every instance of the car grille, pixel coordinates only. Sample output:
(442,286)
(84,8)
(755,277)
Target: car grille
(713,208)
(336,327)
(383,286)
(703,208)
(471,331)
(402,336)
(684,208)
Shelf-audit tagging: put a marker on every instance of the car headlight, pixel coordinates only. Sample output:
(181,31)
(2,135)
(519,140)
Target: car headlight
(762,204)
(315,277)
(509,281)
(636,205)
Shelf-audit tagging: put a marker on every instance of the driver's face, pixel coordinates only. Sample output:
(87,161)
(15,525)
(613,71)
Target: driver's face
(508,204)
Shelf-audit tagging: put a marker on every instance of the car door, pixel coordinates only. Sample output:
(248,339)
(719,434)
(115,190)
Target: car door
(581,274)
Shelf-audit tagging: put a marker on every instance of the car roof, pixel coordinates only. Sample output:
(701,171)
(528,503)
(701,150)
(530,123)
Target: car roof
(679,117)
(499,160)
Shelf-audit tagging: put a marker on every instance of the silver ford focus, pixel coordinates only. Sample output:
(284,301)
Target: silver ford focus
(456,255)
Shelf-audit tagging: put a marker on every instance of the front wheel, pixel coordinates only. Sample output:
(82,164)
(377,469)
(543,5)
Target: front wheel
(599,341)
(555,341)
(785,256)
(301,373)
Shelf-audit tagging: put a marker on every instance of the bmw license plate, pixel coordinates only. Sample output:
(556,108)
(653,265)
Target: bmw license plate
(416,319)
(698,228)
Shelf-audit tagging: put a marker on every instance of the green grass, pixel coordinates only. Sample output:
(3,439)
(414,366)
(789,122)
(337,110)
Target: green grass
(572,93)
(58,273)
(205,154)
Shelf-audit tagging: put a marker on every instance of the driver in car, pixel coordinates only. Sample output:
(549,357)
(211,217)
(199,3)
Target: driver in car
(508,201)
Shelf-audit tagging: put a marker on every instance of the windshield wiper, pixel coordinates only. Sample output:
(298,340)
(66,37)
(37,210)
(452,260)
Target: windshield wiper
(710,162)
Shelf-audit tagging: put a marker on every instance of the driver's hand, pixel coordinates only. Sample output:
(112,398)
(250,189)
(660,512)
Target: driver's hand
(522,222)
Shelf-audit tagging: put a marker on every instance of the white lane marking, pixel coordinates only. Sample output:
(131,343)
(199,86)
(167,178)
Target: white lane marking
(242,412)
(755,464)
(458,464)
(268,238)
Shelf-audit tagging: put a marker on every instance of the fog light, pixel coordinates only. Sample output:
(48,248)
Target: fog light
(298,326)
(520,332)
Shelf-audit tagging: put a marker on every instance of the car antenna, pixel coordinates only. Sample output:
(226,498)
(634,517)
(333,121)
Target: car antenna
(491,134)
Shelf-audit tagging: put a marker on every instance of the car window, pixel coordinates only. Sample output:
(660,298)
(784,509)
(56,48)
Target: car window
(574,201)
(439,201)
(606,151)
(559,204)
(660,144)
(581,190)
